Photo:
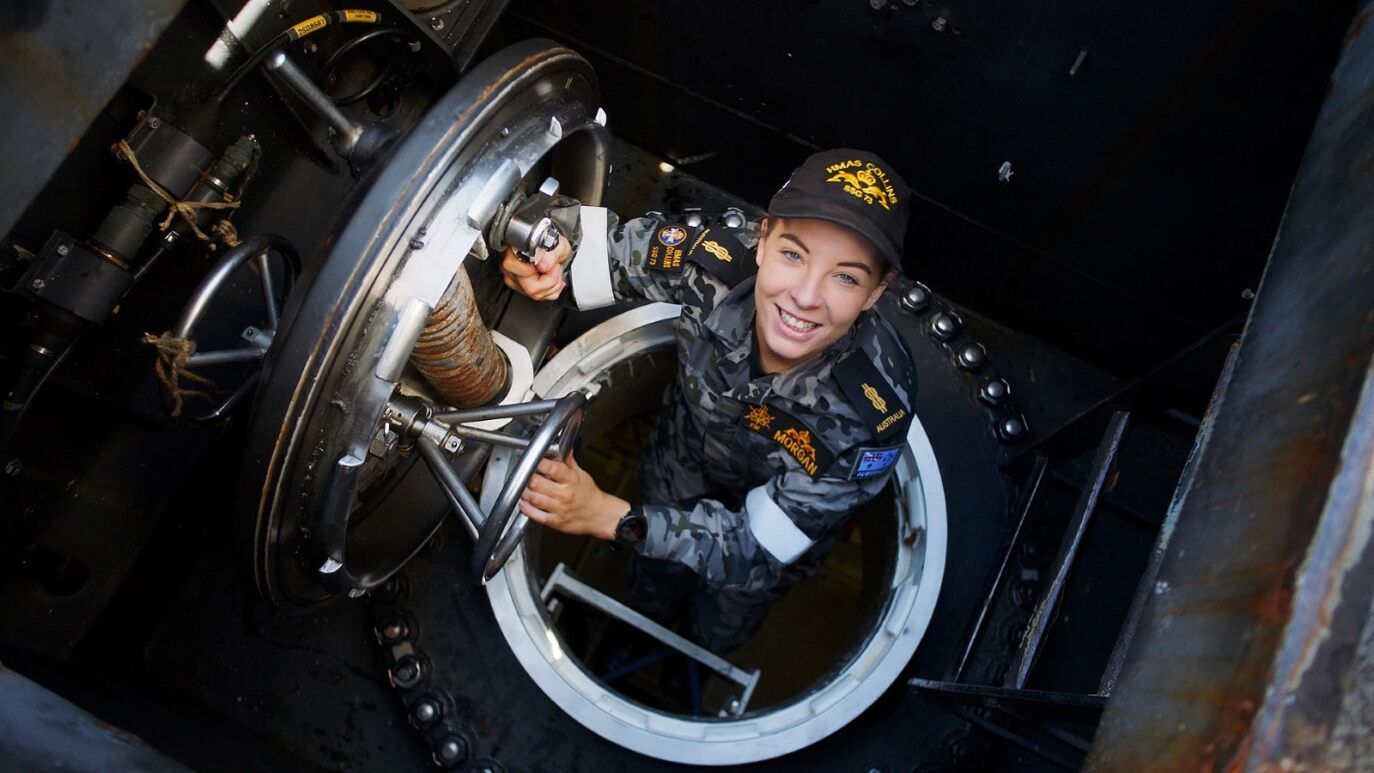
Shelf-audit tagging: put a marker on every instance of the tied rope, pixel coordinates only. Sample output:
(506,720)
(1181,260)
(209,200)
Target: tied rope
(186,209)
(173,355)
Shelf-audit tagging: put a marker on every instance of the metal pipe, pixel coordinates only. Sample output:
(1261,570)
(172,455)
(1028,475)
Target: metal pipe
(346,131)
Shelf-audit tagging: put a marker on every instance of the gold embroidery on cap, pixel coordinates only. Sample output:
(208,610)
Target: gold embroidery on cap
(869,183)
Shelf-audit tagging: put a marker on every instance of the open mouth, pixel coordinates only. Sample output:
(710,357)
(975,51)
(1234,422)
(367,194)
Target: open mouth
(796,325)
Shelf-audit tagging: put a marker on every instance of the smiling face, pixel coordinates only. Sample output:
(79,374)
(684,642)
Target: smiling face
(814,279)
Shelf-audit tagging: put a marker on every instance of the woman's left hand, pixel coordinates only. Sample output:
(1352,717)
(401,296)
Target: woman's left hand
(564,496)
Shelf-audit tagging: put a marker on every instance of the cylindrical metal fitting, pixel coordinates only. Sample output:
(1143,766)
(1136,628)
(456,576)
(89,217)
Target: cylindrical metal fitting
(455,352)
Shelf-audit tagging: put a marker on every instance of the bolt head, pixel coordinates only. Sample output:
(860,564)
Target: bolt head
(877,4)
(994,391)
(425,712)
(38,284)
(733,219)
(63,249)
(972,356)
(693,219)
(436,23)
(1011,429)
(405,672)
(938,24)
(450,750)
(944,325)
(916,299)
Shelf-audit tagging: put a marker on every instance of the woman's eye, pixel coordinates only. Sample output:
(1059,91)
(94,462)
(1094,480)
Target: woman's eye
(791,256)
(848,279)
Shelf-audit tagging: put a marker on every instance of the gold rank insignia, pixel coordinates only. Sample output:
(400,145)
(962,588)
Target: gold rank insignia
(758,418)
(879,404)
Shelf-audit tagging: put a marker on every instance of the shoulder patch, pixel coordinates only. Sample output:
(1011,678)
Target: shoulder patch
(788,431)
(871,395)
(872,462)
(668,247)
(720,253)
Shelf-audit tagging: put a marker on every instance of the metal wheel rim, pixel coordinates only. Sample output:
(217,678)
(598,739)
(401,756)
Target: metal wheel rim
(373,290)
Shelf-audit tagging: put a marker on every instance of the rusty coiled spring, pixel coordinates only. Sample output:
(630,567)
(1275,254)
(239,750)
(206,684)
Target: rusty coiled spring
(455,352)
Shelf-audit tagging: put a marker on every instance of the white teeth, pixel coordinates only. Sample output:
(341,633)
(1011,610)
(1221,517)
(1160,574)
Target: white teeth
(799,325)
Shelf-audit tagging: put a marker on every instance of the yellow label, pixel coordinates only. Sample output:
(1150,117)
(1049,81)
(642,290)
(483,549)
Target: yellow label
(879,404)
(369,17)
(798,443)
(893,419)
(758,418)
(715,248)
(309,25)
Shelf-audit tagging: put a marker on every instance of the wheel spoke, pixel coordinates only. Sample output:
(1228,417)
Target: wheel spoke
(269,293)
(224,356)
(469,512)
(487,436)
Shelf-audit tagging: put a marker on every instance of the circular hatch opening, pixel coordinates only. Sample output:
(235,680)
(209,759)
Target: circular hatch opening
(827,650)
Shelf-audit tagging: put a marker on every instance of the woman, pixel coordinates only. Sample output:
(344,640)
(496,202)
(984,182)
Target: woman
(792,399)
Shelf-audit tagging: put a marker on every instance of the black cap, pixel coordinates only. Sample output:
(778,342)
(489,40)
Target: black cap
(853,189)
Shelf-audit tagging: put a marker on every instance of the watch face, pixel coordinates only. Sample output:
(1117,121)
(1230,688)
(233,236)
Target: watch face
(631,528)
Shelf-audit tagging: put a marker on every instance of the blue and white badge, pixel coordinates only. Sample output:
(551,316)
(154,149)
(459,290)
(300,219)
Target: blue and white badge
(872,462)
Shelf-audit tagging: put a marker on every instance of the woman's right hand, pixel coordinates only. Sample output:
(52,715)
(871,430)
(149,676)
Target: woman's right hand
(541,280)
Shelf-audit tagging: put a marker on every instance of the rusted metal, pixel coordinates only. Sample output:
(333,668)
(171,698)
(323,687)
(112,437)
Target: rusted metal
(1243,657)
(455,352)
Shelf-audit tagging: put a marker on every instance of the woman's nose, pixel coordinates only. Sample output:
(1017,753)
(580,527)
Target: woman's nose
(807,294)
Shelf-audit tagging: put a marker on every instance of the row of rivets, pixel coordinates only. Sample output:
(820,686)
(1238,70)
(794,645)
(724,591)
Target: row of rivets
(944,325)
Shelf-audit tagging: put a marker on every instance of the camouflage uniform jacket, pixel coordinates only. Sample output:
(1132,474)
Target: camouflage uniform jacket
(748,479)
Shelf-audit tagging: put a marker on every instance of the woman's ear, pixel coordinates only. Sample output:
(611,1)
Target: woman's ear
(880,289)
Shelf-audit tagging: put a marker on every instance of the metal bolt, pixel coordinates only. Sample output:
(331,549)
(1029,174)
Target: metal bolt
(693,219)
(414,46)
(994,391)
(63,249)
(14,467)
(733,218)
(916,299)
(405,673)
(451,444)
(426,711)
(972,356)
(310,47)
(944,325)
(37,284)
(939,24)
(1004,172)
(1011,429)
(1247,294)
(395,629)
(417,243)
(436,23)
(154,122)
(450,751)
(877,5)
(505,131)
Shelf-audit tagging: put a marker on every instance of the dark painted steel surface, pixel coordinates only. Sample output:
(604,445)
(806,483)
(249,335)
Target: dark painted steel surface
(1025,499)
(53,87)
(40,730)
(1266,577)
(1128,173)
(1103,464)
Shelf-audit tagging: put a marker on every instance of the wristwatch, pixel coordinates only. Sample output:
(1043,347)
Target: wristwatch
(632,527)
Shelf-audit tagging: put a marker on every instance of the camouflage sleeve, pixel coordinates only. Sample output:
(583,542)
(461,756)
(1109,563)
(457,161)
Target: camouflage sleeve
(612,263)
(748,548)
